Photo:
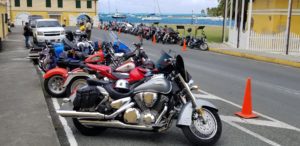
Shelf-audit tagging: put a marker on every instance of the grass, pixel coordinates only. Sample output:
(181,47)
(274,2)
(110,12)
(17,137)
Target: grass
(213,33)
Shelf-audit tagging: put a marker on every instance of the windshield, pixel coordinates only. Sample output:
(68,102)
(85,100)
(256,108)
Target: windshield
(48,24)
(161,63)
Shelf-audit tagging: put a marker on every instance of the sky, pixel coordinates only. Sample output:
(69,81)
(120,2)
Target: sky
(150,6)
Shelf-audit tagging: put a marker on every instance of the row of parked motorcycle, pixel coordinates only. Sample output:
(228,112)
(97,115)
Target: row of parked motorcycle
(164,35)
(110,85)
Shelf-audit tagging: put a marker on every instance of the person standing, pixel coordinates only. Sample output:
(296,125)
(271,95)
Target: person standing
(88,27)
(27,32)
(82,27)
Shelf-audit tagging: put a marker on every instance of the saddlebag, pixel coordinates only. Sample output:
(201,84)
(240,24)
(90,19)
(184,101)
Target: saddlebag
(87,97)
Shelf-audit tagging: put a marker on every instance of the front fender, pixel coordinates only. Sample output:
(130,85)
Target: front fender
(56,71)
(185,116)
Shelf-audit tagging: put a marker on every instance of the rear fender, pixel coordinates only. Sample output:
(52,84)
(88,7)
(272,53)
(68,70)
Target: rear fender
(56,71)
(185,116)
(73,75)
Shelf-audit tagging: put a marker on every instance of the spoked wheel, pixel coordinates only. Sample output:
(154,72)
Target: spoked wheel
(76,84)
(54,86)
(204,133)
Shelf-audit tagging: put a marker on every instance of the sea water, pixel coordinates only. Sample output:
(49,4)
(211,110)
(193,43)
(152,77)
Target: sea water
(168,19)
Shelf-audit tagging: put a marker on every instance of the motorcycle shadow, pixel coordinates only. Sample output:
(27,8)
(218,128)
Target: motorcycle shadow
(172,137)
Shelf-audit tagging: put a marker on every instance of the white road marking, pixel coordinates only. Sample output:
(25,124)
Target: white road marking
(283,124)
(68,130)
(268,141)
(256,122)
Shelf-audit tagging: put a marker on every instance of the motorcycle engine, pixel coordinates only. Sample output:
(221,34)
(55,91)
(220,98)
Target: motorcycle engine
(150,105)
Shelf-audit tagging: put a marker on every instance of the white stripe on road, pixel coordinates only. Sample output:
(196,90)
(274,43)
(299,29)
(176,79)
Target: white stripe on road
(283,124)
(268,141)
(256,122)
(64,122)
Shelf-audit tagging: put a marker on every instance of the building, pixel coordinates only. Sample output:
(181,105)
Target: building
(3,21)
(264,25)
(68,12)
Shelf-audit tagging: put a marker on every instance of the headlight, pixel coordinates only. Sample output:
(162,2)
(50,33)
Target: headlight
(40,33)
(63,33)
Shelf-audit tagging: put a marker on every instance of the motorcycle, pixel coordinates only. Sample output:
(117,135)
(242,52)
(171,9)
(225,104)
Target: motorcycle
(171,37)
(149,105)
(59,82)
(132,69)
(194,42)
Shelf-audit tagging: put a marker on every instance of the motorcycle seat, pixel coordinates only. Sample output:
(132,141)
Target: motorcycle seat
(120,75)
(93,82)
(116,94)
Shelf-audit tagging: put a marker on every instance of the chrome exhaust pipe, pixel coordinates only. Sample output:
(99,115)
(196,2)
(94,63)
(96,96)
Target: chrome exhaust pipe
(93,115)
(75,114)
(115,124)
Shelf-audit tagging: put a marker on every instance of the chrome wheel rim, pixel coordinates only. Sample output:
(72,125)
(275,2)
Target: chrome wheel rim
(55,84)
(207,130)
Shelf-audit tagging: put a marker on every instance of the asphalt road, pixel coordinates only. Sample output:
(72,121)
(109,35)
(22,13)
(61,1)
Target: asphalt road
(275,96)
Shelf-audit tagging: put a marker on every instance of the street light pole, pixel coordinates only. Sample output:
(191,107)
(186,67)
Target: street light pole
(288,29)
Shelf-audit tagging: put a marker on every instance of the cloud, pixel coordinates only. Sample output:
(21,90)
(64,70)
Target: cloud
(149,6)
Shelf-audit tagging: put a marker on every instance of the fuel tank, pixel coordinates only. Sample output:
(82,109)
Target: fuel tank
(126,67)
(157,84)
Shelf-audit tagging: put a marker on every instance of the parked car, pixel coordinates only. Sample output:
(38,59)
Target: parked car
(47,30)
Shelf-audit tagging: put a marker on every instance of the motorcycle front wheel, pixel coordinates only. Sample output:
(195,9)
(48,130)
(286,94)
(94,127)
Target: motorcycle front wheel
(204,133)
(76,83)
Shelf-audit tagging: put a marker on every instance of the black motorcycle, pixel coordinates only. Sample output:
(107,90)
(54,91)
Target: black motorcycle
(149,105)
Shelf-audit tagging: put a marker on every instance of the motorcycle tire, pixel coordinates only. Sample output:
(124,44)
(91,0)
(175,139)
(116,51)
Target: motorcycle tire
(189,131)
(75,83)
(50,91)
(87,131)
(203,47)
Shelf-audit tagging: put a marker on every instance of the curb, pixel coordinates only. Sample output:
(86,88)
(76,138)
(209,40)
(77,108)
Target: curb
(257,57)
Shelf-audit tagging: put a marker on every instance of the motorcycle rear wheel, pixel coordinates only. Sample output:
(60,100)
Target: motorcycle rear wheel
(203,47)
(54,86)
(204,134)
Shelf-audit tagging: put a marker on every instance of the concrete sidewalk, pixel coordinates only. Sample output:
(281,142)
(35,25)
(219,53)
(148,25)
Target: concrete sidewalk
(24,116)
(278,58)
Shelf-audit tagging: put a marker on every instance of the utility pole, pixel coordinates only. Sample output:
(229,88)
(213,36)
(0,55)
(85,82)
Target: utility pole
(288,27)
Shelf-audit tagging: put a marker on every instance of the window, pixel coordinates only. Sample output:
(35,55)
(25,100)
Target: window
(78,4)
(60,3)
(89,4)
(17,3)
(48,24)
(29,3)
(48,3)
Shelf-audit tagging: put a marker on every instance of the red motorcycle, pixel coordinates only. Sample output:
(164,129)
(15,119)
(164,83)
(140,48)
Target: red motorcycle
(55,78)
(59,82)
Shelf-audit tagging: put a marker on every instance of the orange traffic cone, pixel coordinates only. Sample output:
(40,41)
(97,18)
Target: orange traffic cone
(154,40)
(247,105)
(184,45)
